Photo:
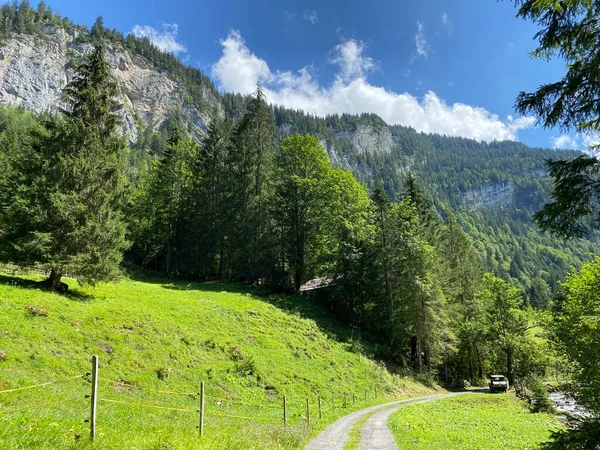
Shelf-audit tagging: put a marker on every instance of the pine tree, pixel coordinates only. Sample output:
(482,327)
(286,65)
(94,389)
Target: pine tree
(212,191)
(570,31)
(97,31)
(251,162)
(65,215)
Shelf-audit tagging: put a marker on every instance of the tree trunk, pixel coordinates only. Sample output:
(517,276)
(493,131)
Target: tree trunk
(297,279)
(509,367)
(470,363)
(54,283)
(479,366)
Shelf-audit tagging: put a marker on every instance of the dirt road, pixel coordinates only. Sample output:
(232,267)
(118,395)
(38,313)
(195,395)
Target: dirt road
(375,435)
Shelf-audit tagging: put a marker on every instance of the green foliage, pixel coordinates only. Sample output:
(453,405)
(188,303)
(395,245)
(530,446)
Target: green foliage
(574,210)
(456,174)
(540,401)
(585,435)
(577,331)
(303,201)
(62,211)
(570,31)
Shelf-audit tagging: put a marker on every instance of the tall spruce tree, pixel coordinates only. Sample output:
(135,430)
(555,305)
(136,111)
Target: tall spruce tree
(68,189)
(253,243)
(213,198)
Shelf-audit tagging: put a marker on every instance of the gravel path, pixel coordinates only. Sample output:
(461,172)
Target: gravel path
(375,434)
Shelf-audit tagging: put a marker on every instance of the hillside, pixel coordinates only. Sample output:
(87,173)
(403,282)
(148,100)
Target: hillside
(157,339)
(493,188)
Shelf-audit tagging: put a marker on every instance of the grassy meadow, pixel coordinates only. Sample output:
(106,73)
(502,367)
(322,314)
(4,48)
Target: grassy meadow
(157,339)
(474,422)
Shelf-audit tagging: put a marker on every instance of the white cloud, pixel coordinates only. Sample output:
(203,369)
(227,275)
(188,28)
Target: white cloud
(311,16)
(591,140)
(349,55)
(165,39)
(447,23)
(239,70)
(421,40)
(580,141)
(564,142)
(287,15)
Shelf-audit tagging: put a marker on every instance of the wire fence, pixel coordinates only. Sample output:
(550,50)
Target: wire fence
(278,410)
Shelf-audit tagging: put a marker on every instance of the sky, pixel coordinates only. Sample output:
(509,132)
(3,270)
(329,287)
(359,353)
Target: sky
(452,67)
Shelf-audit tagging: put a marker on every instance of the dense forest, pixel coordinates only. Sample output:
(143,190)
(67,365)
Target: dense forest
(460,175)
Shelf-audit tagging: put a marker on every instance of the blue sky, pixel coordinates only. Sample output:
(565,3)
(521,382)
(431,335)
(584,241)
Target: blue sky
(448,66)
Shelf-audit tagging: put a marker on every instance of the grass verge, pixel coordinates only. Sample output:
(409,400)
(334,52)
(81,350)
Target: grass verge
(477,422)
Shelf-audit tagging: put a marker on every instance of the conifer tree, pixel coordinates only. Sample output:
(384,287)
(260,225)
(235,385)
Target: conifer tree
(251,163)
(65,214)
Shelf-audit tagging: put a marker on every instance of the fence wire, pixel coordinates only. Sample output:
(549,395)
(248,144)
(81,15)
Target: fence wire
(6,391)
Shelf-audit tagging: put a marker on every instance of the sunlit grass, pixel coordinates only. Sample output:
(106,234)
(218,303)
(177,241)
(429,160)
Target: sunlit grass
(157,339)
(476,422)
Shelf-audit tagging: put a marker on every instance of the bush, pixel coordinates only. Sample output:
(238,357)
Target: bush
(585,435)
(540,401)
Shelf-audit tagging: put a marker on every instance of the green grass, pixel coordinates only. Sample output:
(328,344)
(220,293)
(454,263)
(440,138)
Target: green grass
(355,434)
(475,422)
(157,338)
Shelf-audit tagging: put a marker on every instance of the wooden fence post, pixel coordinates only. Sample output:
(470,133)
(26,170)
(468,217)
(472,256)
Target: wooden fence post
(320,413)
(201,420)
(94,397)
(307,412)
(284,410)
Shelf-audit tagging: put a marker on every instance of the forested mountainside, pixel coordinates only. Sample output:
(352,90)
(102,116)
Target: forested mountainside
(493,188)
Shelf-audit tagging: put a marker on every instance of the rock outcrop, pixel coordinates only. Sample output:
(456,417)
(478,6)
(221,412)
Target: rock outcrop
(34,69)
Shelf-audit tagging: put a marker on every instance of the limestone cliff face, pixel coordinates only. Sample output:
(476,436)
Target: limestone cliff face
(490,196)
(33,71)
(368,139)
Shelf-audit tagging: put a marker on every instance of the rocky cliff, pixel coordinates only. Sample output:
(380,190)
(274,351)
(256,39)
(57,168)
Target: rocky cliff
(34,69)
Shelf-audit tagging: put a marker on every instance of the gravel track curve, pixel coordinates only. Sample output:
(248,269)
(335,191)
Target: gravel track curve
(375,433)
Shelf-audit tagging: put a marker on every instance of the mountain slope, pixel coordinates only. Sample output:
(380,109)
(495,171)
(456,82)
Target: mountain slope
(35,68)
(493,188)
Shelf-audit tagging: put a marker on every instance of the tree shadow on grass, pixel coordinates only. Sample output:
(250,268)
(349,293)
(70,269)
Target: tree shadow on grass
(24,283)
(299,305)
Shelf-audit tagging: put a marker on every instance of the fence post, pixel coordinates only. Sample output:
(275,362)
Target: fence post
(333,402)
(307,412)
(320,413)
(94,397)
(201,423)
(284,410)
